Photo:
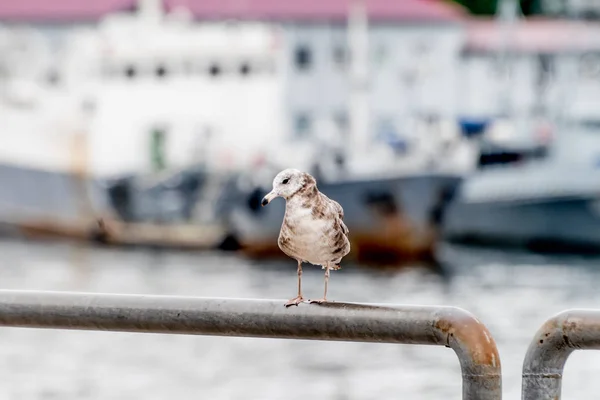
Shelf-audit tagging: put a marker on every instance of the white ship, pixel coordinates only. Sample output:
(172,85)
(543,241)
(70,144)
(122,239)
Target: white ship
(146,94)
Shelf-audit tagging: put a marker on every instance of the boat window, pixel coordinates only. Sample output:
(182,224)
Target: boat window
(303,57)
(161,71)
(130,71)
(340,56)
(303,125)
(214,70)
(245,69)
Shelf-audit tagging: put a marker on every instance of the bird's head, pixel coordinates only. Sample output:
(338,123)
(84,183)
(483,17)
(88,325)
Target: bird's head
(287,183)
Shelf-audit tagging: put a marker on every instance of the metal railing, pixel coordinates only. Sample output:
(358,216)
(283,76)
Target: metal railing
(443,326)
(427,325)
(553,343)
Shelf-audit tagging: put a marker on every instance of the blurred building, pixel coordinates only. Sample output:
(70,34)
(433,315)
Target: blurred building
(589,9)
(165,80)
(521,68)
(412,55)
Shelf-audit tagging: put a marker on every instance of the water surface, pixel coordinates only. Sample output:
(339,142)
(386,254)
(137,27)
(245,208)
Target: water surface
(512,294)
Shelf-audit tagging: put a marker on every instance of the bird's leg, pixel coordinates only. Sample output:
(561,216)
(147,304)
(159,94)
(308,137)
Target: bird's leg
(297,300)
(324,299)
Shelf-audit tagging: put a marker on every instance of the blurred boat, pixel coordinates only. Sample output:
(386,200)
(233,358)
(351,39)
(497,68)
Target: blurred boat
(537,187)
(392,220)
(37,203)
(542,197)
(133,136)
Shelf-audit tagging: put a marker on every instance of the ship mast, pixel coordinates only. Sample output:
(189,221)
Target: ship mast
(358,30)
(150,10)
(507,15)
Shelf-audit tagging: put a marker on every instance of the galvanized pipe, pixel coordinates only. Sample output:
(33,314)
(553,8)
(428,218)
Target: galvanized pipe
(547,354)
(445,326)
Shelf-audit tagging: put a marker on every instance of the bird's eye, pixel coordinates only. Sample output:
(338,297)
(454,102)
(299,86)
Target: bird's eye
(285,181)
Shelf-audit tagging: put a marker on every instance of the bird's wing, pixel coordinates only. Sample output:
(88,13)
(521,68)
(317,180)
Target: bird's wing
(340,214)
(338,208)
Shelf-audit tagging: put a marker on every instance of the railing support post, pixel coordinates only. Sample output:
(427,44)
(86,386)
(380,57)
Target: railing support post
(553,343)
(429,325)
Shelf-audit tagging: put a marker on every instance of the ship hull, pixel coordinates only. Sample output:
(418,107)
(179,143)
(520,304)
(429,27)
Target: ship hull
(38,203)
(545,224)
(391,221)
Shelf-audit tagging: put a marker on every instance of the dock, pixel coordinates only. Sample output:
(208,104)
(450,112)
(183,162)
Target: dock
(122,234)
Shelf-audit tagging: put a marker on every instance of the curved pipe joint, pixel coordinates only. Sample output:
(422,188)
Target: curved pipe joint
(445,326)
(476,351)
(547,354)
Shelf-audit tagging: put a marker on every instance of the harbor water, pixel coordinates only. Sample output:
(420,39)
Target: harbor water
(512,293)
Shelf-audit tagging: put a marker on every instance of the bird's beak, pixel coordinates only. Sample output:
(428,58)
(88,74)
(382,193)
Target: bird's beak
(267,199)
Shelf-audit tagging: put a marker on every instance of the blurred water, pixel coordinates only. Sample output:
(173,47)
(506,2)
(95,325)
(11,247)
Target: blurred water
(511,293)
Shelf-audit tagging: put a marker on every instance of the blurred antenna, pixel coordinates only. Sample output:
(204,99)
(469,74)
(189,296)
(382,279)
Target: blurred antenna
(507,15)
(569,75)
(358,32)
(150,9)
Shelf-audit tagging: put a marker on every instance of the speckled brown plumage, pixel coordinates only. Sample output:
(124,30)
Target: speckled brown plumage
(313,228)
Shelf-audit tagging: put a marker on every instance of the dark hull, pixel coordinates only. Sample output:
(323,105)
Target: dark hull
(28,193)
(46,204)
(391,221)
(567,224)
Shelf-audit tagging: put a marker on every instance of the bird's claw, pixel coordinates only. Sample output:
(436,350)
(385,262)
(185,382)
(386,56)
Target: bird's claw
(294,302)
(319,301)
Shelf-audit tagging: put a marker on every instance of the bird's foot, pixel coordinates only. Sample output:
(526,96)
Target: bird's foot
(336,267)
(319,301)
(295,301)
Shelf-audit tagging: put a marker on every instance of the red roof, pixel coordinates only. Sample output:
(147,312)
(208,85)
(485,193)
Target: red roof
(533,35)
(294,10)
(62,10)
(311,10)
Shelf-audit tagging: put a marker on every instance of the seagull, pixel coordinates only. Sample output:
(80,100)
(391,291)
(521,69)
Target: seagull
(313,229)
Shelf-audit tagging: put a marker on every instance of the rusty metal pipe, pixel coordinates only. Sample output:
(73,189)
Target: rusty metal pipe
(444,326)
(547,354)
